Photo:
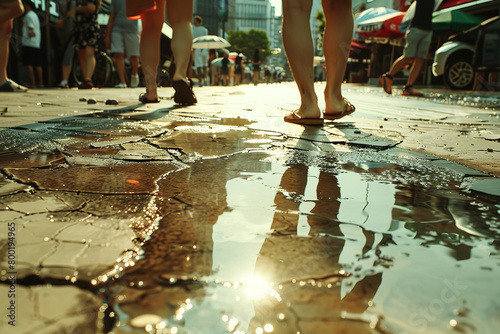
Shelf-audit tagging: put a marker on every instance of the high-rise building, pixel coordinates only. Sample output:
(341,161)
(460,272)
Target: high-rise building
(217,15)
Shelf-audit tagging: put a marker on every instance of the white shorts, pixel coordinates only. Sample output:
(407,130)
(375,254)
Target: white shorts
(122,42)
(200,58)
(417,43)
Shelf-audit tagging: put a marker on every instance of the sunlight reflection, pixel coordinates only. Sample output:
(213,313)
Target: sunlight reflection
(257,287)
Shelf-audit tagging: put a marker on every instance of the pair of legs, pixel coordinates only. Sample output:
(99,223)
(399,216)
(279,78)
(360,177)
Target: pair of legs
(297,40)
(120,66)
(180,16)
(86,57)
(39,75)
(201,74)
(8,12)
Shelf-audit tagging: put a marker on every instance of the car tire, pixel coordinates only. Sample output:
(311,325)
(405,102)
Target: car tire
(459,73)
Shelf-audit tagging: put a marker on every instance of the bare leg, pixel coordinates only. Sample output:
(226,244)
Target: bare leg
(180,15)
(298,44)
(399,64)
(31,75)
(120,66)
(336,45)
(39,74)
(91,62)
(134,62)
(414,71)
(152,22)
(5,32)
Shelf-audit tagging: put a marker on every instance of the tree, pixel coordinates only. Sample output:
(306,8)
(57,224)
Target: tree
(248,41)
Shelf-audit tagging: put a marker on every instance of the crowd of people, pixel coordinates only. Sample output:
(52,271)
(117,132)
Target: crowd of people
(122,39)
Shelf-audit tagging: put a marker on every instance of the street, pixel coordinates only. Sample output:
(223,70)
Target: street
(220,217)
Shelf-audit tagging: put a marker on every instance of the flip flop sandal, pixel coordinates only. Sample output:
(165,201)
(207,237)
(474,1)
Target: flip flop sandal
(144,100)
(296,119)
(183,93)
(348,109)
(12,87)
(383,81)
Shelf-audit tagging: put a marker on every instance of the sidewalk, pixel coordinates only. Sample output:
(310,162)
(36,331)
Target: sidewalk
(462,127)
(106,176)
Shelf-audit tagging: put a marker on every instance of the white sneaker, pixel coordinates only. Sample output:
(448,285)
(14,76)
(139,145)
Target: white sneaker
(121,85)
(134,81)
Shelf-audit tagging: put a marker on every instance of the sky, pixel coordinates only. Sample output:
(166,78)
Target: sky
(277,5)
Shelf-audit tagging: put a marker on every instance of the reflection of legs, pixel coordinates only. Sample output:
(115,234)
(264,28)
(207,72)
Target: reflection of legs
(337,42)
(327,202)
(293,183)
(298,44)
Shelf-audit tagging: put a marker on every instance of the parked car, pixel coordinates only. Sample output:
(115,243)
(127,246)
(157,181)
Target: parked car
(454,59)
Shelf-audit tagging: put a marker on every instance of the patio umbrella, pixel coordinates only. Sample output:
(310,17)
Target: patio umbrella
(210,42)
(386,25)
(454,20)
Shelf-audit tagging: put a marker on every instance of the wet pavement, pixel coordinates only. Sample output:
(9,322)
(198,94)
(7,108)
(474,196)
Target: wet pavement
(221,218)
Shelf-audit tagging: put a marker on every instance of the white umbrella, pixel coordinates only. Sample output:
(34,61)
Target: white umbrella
(210,42)
(218,62)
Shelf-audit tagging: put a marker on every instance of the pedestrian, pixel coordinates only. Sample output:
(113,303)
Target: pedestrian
(256,67)
(200,56)
(418,39)
(63,41)
(122,38)
(297,40)
(31,40)
(9,10)
(87,34)
(179,16)
(224,69)
(267,74)
(238,68)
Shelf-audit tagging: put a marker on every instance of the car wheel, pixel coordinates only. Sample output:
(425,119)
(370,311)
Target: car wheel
(459,73)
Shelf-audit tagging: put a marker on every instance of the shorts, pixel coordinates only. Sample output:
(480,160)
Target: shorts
(32,56)
(124,42)
(200,58)
(417,43)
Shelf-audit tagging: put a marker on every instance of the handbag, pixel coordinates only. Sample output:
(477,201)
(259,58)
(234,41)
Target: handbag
(135,8)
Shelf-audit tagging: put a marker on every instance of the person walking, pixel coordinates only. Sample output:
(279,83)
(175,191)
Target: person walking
(256,67)
(179,17)
(123,36)
(418,39)
(63,41)
(297,40)
(200,56)
(32,37)
(86,38)
(238,68)
(9,10)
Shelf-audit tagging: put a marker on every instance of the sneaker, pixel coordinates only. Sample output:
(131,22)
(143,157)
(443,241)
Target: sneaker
(134,81)
(410,91)
(121,85)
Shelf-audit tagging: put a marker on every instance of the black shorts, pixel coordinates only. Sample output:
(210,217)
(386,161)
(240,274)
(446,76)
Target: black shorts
(32,56)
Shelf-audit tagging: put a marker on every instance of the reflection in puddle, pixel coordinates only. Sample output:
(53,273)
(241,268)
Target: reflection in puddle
(269,247)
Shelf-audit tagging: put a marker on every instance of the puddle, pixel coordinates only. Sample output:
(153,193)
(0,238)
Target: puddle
(232,229)
(298,246)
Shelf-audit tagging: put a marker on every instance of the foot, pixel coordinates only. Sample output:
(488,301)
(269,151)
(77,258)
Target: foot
(184,92)
(410,91)
(87,84)
(144,98)
(11,86)
(347,109)
(296,119)
(134,81)
(386,82)
(121,85)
